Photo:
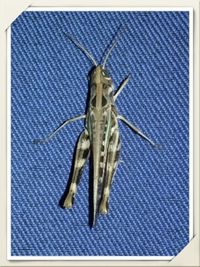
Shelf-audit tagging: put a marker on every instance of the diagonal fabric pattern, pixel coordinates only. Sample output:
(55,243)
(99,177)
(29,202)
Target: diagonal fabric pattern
(149,205)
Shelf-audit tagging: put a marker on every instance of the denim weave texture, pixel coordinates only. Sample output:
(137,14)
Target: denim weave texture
(149,201)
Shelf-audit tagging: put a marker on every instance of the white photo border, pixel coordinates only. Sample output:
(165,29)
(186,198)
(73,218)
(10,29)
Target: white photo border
(191,184)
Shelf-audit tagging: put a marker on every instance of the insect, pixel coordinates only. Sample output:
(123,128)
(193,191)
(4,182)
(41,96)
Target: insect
(101,138)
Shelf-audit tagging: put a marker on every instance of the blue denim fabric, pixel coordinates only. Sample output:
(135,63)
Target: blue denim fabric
(149,203)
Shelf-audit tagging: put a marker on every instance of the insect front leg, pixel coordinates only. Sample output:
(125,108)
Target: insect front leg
(121,87)
(81,156)
(111,165)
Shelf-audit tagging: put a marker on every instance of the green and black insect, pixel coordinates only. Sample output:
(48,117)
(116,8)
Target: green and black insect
(101,138)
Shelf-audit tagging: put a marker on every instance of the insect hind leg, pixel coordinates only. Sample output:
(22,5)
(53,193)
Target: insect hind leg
(112,161)
(81,156)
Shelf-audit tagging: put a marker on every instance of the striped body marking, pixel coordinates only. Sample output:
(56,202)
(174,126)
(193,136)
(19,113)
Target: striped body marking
(100,139)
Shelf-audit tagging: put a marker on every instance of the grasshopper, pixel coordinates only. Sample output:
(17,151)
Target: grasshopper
(101,138)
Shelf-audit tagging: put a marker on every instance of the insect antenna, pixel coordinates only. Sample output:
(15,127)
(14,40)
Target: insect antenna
(82,48)
(113,44)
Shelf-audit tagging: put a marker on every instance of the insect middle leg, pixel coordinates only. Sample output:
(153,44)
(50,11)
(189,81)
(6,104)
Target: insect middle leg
(81,156)
(112,161)
(137,131)
(48,138)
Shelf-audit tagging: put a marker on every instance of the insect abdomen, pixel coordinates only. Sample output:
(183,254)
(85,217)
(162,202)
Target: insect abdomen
(100,134)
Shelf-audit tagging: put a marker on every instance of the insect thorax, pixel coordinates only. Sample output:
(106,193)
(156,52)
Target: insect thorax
(100,88)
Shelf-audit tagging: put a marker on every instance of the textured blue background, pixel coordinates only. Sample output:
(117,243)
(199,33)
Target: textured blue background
(149,199)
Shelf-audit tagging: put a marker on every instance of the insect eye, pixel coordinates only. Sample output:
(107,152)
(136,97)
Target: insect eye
(104,73)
